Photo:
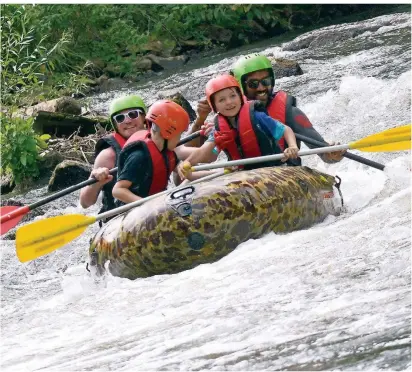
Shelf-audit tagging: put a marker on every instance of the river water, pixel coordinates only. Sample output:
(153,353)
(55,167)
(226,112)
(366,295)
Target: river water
(336,296)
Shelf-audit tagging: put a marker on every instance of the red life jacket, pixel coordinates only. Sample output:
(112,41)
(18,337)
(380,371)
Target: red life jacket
(162,166)
(248,140)
(277,110)
(116,142)
(113,140)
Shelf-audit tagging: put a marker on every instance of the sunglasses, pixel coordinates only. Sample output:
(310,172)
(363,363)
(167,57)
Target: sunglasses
(254,84)
(132,114)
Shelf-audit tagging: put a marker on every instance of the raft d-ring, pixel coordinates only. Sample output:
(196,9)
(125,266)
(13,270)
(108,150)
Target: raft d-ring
(181,201)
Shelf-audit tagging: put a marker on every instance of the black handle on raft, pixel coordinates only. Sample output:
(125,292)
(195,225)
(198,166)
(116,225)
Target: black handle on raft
(91,181)
(183,193)
(348,155)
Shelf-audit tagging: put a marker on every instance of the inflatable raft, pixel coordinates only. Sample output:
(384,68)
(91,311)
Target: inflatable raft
(205,222)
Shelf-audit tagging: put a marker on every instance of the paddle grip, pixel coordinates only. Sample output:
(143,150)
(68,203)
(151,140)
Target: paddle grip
(13,214)
(348,155)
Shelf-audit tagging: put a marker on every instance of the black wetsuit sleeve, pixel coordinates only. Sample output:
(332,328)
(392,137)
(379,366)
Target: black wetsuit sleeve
(134,168)
(300,124)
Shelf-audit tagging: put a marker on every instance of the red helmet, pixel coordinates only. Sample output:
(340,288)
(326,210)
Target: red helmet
(219,83)
(171,118)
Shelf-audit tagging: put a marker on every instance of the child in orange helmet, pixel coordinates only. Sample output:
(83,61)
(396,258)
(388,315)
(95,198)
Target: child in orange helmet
(149,157)
(242,129)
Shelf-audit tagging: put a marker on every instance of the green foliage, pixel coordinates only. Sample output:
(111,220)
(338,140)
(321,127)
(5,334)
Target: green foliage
(118,33)
(20,147)
(33,69)
(31,63)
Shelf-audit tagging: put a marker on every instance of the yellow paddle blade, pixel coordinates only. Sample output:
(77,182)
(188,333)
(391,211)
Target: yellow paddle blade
(400,145)
(42,237)
(394,139)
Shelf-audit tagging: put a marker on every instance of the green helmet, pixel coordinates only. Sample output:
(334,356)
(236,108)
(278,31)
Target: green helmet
(125,102)
(251,63)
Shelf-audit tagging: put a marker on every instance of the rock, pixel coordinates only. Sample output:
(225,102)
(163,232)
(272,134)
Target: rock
(67,105)
(100,84)
(160,63)
(95,67)
(218,33)
(68,173)
(191,43)
(6,184)
(253,28)
(182,101)
(112,70)
(286,67)
(160,48)
(114,83)
(102,79)
(49,160)
(143,64)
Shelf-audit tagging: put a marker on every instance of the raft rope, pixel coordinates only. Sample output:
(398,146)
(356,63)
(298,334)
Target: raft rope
(337,185)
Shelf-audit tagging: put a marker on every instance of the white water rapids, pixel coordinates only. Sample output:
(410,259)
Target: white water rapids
(335,296)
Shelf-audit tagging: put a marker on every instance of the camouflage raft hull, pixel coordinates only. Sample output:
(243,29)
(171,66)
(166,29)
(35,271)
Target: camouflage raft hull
(207,221)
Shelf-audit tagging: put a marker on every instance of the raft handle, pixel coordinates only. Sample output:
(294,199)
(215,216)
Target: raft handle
(182,193)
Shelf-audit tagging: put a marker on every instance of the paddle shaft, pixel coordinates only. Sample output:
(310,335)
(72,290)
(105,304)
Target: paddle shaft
(128,206)
(261,159)
(348,155)
(90,181)
(90,220)
(364,144)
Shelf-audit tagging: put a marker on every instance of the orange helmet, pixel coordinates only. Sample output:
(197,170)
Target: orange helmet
(219,83)
(171,118)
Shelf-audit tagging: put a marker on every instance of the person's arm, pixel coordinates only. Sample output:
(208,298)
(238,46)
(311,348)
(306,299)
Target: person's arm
(102,165)
(300,124)
(203,110)
(121,191)
(183,152)
(279,130)
(204,154)
(132,173)
(291,152)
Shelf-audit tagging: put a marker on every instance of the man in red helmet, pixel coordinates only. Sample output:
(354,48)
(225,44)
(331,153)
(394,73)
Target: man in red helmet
(148,158)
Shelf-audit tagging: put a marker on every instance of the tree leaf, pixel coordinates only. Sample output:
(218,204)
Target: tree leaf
(23,158)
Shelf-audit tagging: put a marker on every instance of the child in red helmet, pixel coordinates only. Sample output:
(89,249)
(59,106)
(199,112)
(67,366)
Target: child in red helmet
(149,157)
(243,129)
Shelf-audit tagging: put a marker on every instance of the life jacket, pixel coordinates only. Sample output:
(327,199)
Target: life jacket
(116,142)
(280,108)
(162,163)
(248,140)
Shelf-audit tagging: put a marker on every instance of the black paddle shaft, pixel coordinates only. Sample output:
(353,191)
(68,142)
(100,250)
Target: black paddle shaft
(91,181)
(348,155)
